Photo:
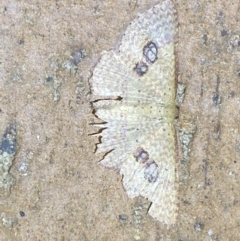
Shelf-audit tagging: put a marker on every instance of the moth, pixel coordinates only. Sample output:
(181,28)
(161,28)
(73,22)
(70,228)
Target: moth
(133,90)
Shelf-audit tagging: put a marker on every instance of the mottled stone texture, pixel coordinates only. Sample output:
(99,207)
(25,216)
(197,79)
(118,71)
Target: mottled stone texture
(58,185)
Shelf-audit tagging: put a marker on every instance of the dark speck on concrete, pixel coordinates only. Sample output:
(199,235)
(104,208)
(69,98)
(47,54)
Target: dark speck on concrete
(198,226)
(223,32)
(8,143)
(49,79)
(216,99)
(238,73)
(123,218)
(22,214)
(21,41)
(205,38)
(77,56)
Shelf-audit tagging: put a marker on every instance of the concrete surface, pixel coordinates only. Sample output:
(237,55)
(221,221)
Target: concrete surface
(48,49)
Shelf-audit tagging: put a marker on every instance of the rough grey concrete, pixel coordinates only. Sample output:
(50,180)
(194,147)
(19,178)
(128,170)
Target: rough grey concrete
(47,51)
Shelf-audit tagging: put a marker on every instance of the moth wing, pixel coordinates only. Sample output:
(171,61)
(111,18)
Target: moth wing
(158,23)
(135,93)
(124,134)
(126,126)
(155,179)
(112,78)
(157,26)
(116,74)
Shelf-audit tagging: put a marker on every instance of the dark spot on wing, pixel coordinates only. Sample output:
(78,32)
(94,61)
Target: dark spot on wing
(141,68)
(151,171)
(141,155)
(150,52)
(151,167)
